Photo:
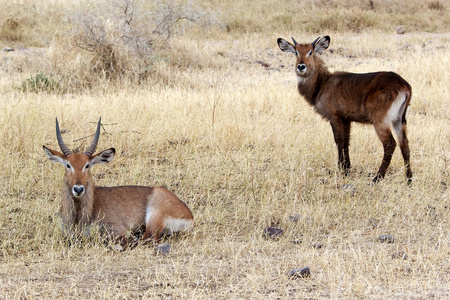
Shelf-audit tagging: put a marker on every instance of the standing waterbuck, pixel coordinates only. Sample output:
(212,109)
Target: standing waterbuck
(379,98)
(116,210)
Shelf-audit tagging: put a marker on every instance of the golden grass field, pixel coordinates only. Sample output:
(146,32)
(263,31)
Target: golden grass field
(236,142)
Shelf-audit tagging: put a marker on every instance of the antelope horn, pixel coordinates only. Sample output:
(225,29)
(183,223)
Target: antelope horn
(295,42)
(315,41)
(93,145)
(65,150)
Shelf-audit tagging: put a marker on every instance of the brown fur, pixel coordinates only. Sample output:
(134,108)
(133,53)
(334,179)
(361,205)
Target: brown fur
(343,97)
(116,210)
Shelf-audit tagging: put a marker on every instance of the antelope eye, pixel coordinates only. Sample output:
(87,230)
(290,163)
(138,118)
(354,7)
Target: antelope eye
(86,167)
(310,52)
(68,166)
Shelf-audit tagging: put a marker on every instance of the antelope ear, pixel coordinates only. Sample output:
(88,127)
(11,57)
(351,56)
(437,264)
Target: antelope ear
(103,157)
(55,156)
(322,44)
(285,45)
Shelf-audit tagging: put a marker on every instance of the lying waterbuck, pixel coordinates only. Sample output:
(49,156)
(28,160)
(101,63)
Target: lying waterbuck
(379,98)
(116,210)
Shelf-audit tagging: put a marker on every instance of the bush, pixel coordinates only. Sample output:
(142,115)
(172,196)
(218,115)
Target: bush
(11,30)
(121,37)
(436,5)
(38,83)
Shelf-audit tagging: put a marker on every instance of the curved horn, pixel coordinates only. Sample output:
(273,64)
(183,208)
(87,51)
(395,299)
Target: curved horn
(93,145)
(295,42)
(315,41)
(65,150)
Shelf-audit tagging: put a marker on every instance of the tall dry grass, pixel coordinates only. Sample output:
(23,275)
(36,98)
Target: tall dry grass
(93,44)
(235,141)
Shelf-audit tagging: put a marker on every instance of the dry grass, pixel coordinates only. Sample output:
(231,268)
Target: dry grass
(236,142)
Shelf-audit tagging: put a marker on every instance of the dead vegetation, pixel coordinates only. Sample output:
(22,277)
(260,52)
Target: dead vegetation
(221,124)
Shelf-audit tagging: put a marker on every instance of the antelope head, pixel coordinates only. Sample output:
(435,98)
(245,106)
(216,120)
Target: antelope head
(305,53)
(78,179)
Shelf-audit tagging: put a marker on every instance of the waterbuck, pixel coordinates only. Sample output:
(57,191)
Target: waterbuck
(116,210)
(379,98)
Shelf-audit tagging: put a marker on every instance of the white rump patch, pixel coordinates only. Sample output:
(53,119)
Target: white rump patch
(171,224)
(175,225)
(394,114)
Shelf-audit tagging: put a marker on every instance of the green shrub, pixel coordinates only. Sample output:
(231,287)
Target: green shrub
(38,83)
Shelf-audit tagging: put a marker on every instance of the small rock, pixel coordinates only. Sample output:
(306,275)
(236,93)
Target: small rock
(386,238)
(272,232)
(7,49)
(399,255)
(163,249)
(299,273)
(400,30)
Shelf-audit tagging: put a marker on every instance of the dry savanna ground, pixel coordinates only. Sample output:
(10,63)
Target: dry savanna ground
(220,123)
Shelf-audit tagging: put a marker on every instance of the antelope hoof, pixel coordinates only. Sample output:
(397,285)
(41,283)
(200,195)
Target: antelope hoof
(377,178)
